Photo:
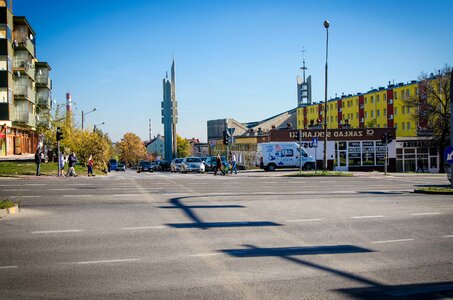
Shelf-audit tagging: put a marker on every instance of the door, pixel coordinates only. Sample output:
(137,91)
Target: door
(341,156)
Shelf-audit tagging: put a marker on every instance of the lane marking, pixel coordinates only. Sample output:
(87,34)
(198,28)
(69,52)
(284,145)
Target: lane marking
(62,189)
(57,231)
(34,184)
(448,236)
(25,196)
(106,261)
(126,195)
(144,227)
(8,267)
(10,185)
(392,241)
(303,220)
(16,190)
(67,196)
(205,254)
(367,217)
(426,214)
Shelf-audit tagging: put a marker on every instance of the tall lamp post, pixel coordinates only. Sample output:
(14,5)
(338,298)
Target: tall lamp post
(96,126)
(326,25)
(83,115)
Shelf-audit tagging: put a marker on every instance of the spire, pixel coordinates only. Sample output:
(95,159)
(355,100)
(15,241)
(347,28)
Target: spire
(303,68)
(166,74)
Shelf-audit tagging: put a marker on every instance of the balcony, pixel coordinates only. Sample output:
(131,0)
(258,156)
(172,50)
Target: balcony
(44,102)
(43,82)
(24,92)
(24,66)
(25,118)
(45,122)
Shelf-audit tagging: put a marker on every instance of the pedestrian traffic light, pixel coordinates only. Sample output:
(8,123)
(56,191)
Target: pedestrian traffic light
(225,137)
(59,134)
(387,138)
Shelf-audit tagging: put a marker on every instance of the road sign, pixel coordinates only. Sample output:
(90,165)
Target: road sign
(449,154)
(314,141)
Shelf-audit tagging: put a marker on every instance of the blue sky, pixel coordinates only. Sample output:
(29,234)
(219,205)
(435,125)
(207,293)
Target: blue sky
(236,59)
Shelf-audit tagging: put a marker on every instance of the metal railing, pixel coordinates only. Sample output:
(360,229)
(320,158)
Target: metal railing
(25,117)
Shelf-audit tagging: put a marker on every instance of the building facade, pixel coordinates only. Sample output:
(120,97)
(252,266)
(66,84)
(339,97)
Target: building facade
(156,146)
(25,86)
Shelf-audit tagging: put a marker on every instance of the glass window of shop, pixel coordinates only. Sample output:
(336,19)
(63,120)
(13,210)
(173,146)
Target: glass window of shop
(354,154)
(368,153)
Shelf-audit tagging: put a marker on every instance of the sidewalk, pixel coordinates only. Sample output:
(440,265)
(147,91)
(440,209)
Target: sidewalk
(23,157)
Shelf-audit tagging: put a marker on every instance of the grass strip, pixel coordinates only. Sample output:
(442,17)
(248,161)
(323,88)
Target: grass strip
(6,204)
(12,169)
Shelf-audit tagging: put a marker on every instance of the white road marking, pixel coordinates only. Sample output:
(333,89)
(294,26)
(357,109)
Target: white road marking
(67,196)
(367,217)
(392,241)
(144,227)
(62,189)
(205,254)
(126,195)
(426,214)
(16,190)
(35,184)
(448,236)
(58,231)
(10,185)
(303,220)
(25,196)
(106,261)
(8,267)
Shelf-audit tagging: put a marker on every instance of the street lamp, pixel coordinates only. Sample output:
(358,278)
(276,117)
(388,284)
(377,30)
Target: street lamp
(83,115)
(326,25)
(96,126)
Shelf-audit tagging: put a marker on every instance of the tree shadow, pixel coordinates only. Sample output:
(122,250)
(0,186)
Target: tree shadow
(381,193)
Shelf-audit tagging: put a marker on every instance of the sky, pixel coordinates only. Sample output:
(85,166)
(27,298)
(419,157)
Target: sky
(234,59)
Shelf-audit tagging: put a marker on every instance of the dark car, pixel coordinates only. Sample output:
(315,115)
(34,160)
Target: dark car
(113,163)
(161,165)
(211,163)
(121,167)
(144,166)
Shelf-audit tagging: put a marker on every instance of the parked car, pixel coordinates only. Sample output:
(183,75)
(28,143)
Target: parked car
(144,165)
(121,167)
(113,163)
(175,165)
(192,164)
(161,165)
(211,163)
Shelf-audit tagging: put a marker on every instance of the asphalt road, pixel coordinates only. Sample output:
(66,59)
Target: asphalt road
(251,236)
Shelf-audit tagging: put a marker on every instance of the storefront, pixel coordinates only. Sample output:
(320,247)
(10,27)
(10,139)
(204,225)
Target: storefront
(347,149)
(414,154)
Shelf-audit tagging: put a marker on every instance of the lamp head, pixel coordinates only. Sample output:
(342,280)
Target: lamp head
(326,24)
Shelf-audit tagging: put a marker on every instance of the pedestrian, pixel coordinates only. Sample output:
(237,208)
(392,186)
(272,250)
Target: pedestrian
(218,166)
(90,166)
(38,161)
(233,162)
(62,162)
(72,159)
(420,165)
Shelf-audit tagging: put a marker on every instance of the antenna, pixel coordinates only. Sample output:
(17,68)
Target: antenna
(303,68)
(150,135)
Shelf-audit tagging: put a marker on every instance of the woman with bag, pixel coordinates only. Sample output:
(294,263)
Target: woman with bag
(90,166)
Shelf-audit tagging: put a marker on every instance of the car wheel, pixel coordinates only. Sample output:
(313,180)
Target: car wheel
(309,166)
(271,167)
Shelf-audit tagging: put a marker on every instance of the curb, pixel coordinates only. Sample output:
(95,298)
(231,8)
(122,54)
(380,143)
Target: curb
(9,211)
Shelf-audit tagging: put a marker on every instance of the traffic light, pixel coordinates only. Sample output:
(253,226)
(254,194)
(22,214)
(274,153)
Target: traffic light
(225,137)
(59,134)
(387,138)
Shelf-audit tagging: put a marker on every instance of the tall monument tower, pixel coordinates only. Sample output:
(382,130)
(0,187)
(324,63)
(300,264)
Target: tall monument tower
(170,114)
(303,86)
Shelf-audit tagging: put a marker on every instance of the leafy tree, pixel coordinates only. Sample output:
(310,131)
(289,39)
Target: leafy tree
(131,149)
(371,123)
(183,147)
(432,108)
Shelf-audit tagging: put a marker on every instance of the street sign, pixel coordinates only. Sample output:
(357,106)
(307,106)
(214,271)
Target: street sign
(314,141)
(449,154)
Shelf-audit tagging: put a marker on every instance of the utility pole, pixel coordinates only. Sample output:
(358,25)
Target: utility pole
(326,25)
(451,121)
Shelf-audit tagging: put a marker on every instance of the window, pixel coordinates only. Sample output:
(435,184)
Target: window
(372,99)
(372,113)
(377,98)
(408,110)
(385,97)
(378,113)
(357,102)
(408,125)
(366,100)
(342,104)
(378,125)
(403,109)
(408,93)
(404,126)
(396,111)
(385,112)
(366,114)
(395,94)
(357,116)
(396,126)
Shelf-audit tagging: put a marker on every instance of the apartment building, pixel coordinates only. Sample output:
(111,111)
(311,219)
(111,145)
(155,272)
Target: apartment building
(377,108)
(25,86)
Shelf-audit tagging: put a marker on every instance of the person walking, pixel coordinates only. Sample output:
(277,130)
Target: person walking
(218,166)
(90,166)
(420,165)
(38,161)
(72,159)
(233,162)
(62,162)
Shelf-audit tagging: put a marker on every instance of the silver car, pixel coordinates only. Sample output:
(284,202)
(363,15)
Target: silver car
(175,165)
(192,164)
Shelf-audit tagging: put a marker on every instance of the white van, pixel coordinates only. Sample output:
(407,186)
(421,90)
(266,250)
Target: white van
(270,156)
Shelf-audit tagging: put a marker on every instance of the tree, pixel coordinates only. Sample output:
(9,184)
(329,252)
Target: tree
(131,149)
(183,147)
(432,108)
